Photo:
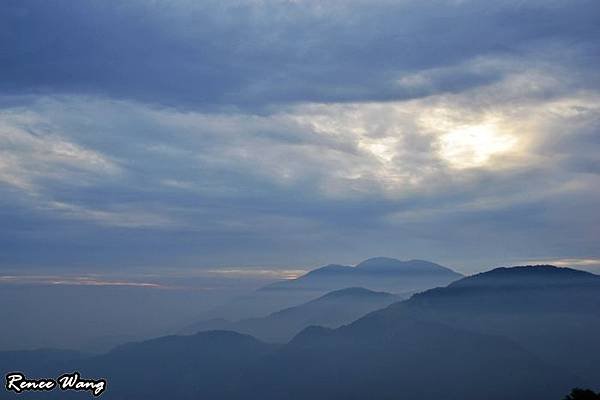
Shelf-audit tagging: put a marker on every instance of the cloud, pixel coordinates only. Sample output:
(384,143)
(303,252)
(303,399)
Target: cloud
(261,54)
(72,281)
(570,262)
(315,170)
(262,273)
(33,150)
(218,133)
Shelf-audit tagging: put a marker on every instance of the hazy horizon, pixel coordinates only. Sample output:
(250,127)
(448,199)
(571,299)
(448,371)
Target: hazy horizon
(123,306)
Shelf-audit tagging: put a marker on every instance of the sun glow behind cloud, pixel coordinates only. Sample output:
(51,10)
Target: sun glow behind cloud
(338,150)
(474,145)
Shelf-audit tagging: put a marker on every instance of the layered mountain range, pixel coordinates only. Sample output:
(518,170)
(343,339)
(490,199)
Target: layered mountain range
(400,278)
(330,310)
(525,332)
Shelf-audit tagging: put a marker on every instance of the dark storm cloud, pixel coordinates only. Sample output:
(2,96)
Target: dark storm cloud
(254,53)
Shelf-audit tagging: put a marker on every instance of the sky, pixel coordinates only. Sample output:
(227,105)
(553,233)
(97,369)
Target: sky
(263,138)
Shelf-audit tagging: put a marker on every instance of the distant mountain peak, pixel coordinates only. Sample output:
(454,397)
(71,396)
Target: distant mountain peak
(329,269)
(377,273)
(355,292)
(536,270)
(393,264)
(538,275)
(377,261)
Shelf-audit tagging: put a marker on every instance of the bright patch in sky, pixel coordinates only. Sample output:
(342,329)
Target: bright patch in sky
(383,148)
(474,145)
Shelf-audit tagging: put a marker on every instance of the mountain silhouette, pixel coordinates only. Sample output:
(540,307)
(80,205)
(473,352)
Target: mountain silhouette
(511,333)
(206,365)
(330,310)
(405,358)
(530,276)
(38,362)
(549,310)
(378,274)
(523,332)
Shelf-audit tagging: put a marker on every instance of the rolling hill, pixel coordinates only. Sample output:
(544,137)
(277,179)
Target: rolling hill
(330,310)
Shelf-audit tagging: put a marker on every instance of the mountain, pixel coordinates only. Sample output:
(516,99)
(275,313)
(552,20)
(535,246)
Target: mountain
(527,332)
(511,333)
(403,359)
(206,365)
(41,363)
(529,276)
(378,274)
(330,310)
(554,312)
(412,359)
(38,361)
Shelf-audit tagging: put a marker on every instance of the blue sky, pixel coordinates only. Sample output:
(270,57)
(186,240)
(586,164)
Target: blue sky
(288,134)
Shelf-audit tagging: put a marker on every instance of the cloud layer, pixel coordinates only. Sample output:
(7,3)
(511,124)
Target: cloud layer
(291,133)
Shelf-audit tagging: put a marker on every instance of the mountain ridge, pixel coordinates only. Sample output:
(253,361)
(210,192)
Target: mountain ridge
(425,347)
(371,266)
(332,310)
(377,273)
